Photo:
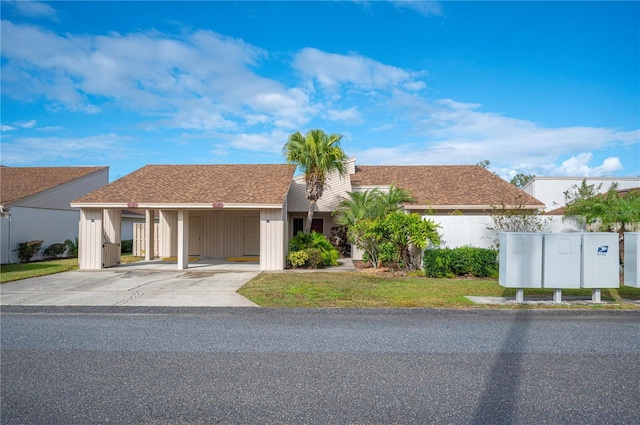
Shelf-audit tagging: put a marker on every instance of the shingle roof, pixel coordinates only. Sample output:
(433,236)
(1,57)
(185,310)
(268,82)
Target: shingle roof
(198,184)
(19,182)
(442,185)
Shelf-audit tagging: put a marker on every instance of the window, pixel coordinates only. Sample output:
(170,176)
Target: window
(298,225)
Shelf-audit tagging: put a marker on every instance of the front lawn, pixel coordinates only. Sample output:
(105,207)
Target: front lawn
(11,272)
(362,290)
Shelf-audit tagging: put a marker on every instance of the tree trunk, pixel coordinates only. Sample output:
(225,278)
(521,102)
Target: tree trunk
(312,207)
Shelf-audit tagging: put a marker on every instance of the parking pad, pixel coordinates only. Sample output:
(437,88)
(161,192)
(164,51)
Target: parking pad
(132,287)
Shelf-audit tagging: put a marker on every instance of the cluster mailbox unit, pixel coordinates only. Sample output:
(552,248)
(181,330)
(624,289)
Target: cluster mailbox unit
(560,261)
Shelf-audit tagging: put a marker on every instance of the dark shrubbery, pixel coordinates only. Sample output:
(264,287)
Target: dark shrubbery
(26,250)
(318,249)
(55,250)
(464,261)
(126,246)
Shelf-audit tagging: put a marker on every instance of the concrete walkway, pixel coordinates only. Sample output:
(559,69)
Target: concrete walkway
(156,283)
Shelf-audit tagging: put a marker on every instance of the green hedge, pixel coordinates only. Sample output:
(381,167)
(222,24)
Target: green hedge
(464,261)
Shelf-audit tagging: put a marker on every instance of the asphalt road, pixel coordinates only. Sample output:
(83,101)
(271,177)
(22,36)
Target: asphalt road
(329,366)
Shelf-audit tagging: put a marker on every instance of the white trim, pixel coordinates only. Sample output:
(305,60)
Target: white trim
(154,206)
(470,207)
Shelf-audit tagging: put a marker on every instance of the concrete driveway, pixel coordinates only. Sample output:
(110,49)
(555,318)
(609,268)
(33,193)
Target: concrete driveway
(156,283)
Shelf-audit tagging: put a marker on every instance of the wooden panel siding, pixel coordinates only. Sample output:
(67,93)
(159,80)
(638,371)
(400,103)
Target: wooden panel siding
(167,233)
(90,239)
(273,243)
(336,187)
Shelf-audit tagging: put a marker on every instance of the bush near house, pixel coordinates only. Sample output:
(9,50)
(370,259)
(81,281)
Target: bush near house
(318,250)
(126,246)
(55,250)
(464,261)
(27,250)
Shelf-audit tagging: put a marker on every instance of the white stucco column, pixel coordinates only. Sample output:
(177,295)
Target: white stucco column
(183,239)
(149,237)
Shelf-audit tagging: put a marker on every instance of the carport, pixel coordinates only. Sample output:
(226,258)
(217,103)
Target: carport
(205,211)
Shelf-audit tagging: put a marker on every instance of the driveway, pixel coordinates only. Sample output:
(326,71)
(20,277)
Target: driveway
(156,283)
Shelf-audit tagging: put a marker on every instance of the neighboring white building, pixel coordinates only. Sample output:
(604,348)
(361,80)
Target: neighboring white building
(550,190)
(35,204)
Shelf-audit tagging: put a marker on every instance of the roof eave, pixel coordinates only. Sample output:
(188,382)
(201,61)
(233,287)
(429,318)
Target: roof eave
(470,207)
(164,206)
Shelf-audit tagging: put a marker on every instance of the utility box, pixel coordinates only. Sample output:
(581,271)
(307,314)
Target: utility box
(561,260)
(600,260)
(520,260)
(631,259)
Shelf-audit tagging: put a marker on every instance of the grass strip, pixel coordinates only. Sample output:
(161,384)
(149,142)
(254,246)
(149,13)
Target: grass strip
(360,290)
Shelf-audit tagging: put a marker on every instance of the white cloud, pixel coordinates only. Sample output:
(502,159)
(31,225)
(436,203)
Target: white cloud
(37,150)
(25,124)
(7,128)
(579,166)
(459,133)
(351,115)
(425,8)
(35,9)
(149,73)
(331,70)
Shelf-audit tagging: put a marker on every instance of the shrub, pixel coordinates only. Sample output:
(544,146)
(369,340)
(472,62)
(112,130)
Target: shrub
(26,250)
(126,246)
(72,247)
(328,254)
(55,250)
(340,240)
(446,262)
(314,256)
(298,259)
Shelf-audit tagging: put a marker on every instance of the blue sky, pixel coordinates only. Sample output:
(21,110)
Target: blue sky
(545,88)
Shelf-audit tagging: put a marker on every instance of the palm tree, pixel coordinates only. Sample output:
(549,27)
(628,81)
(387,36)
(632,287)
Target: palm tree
(316,154)
(372,203)
(356,206)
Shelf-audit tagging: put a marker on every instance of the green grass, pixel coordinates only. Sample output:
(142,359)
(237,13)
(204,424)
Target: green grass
(360,290)
(11,272)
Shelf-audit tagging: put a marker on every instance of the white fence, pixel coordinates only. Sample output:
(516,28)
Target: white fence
(139,239)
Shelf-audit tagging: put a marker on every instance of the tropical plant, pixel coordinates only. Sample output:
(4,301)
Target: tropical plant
(308,242)
(372,203)
(316,154)
(610,211)
(396,237)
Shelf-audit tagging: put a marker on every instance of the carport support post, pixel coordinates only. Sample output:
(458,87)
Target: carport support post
(149,243)
(183,239)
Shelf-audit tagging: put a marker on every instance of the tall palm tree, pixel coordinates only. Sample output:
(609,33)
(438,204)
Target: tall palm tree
(316,154)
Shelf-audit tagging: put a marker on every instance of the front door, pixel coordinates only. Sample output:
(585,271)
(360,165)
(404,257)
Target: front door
(251,239)
(195,233)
